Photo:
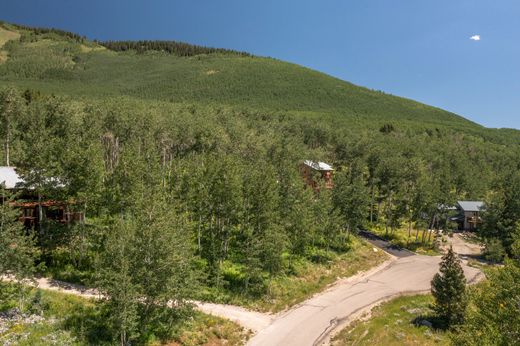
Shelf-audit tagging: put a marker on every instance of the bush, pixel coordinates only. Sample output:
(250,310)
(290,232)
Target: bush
(494,316)
(494,250)
(233,274)
(317,255)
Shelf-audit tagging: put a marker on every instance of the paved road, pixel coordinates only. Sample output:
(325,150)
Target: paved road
(311,322)
(392,249)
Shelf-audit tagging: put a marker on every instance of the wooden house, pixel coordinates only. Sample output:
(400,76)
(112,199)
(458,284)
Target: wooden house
(27,202)
(314,172)
(469,218)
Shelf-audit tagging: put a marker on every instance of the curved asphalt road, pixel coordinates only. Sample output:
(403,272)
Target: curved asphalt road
(311,322)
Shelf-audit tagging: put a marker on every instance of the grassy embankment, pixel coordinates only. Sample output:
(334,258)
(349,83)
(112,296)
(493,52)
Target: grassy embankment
(51,318)
(419,241)
(396,322)
(301,281)
(306,279)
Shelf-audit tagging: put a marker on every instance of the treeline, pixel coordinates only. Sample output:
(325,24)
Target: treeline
(170,47)
(41,31)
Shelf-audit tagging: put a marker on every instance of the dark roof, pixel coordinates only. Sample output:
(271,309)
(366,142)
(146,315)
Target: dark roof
(471,205)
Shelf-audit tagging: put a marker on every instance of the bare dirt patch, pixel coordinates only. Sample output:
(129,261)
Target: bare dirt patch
(87,49)
(464,244)
(7,35)
(3,56)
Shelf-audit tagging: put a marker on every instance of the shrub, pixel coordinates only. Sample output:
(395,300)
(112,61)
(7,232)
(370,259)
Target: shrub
(494,250)
(233,274)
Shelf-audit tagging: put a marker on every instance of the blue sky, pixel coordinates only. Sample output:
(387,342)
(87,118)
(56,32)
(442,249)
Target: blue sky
(412,48)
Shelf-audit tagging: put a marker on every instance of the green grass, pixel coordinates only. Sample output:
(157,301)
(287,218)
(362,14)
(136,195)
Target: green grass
(392,323)
(209,330)
(67,318)
(487,268)
(73,320)
(400,237)
(307,279)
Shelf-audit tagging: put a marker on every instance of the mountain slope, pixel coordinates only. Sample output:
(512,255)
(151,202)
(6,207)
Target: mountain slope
(60,64)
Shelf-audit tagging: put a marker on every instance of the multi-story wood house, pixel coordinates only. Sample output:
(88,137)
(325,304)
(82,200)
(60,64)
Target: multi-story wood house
(27,201)
(314,173)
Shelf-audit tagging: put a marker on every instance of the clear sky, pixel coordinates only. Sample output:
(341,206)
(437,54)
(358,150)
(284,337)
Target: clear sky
(420,49)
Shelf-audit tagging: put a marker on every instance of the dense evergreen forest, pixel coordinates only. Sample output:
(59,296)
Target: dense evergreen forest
(170,47)
(193,190)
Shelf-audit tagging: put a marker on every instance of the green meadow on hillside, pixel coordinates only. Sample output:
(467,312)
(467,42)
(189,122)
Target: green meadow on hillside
(63,65)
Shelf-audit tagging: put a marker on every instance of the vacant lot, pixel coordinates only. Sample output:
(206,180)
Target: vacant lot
(395,323)
(307,279)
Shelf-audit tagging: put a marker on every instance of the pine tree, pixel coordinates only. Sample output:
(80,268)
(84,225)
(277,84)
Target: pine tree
(494,316)
(449,290)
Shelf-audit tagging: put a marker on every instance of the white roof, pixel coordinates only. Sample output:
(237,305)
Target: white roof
(319,166)
(9,177)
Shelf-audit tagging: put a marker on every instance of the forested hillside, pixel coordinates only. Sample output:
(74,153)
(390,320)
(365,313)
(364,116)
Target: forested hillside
(187,166)
(70,65)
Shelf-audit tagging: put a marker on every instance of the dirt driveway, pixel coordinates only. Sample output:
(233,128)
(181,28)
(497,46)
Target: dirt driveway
(462,246)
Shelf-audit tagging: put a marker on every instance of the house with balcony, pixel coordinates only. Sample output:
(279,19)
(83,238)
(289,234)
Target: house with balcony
(469,215)
(29,204)
(313,173)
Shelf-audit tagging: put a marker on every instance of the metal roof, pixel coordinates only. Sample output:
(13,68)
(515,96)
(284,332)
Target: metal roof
(471,205)
(9,177)
(319,166)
